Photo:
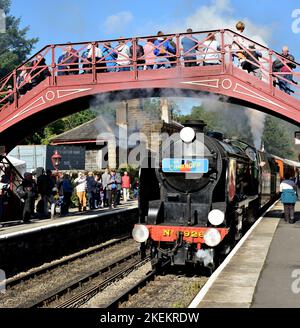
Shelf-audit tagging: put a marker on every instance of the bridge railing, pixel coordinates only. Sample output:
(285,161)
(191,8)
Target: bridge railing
(174,51)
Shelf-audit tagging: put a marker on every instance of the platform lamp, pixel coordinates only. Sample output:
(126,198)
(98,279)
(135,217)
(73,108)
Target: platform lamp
(56,159)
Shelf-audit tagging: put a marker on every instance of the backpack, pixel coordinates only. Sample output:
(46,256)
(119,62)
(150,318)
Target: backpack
(288,196)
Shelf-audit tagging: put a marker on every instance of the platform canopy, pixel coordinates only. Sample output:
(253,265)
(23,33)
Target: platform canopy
(19,164)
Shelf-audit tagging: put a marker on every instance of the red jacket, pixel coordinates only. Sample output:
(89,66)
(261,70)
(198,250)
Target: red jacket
(125,181)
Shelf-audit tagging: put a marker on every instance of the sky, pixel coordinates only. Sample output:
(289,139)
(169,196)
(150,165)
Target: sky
(62,21)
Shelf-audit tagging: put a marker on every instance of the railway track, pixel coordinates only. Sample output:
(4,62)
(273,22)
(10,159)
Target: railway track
(31,274)
(115,303)
(50,280)
(179,289)
(90,284)
(84,296)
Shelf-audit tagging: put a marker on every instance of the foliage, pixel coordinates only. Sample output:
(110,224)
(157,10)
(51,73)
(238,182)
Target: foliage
(45,135)
(232,122)
(133,172)
(14,44)
(151,106)
(198,113)
(276,138)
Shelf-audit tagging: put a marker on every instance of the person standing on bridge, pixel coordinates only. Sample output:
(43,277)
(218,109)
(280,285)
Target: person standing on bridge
(23,81)
(110,57)
(61,65)
(149,54)
(163,50)
(285,66)
(251,64)
(239,43)
(189,44)
(98,55)
(140,61)
(288,197)
(123,59)
(40,70)
(211,50)
(72,60)
(86,66)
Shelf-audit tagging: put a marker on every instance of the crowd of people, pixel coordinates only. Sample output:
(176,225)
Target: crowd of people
(249,60)
(47,192)
(155,53)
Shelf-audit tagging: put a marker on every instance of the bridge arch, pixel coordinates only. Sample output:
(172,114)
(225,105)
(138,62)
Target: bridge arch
(60,95)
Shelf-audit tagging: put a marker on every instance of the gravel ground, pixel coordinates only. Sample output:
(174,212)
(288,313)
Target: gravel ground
(168,291)
(95,281)
(118,288)
(31,291)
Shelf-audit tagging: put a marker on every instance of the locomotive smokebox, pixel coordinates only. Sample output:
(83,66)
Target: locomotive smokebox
(197,125)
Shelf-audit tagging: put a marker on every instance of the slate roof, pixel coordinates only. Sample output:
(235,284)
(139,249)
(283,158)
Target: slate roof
(87,132)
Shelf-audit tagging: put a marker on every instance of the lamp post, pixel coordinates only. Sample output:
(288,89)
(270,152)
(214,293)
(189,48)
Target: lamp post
(56,159)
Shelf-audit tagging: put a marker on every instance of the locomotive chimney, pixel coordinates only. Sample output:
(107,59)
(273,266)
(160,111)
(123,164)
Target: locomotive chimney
(197,125)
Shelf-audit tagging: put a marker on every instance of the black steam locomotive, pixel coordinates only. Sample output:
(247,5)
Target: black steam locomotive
(198,202)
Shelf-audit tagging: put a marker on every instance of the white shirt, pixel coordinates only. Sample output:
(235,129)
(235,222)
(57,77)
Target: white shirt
(287,184)
(98,53)
(123,54)
(81,184)
(210,49)
(241,42)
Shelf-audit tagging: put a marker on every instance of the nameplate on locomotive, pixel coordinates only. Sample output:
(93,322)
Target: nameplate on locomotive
(180,165)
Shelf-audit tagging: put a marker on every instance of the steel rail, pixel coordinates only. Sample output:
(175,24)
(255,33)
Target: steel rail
(10,282)
(84,296)
(135,289)
(55,295)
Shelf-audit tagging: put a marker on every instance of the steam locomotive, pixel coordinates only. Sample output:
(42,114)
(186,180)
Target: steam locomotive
(195,206)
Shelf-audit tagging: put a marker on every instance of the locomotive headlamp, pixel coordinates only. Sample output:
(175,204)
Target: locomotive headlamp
(216,217)
(187,134)
(212,237)
(140,233)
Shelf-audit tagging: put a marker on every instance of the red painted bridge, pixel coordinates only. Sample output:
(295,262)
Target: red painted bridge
(46,87)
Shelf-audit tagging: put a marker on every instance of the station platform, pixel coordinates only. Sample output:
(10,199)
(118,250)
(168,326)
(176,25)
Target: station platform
(15,228)
(262,271)
(24,246)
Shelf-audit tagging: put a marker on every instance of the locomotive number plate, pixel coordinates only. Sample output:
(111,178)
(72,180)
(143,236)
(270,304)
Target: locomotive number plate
(181,165)
(193,234)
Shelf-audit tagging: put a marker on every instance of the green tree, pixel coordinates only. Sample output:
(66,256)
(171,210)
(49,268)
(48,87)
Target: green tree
(276,139)
(199,113)
(45,135)
(15,46)
(233,122)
